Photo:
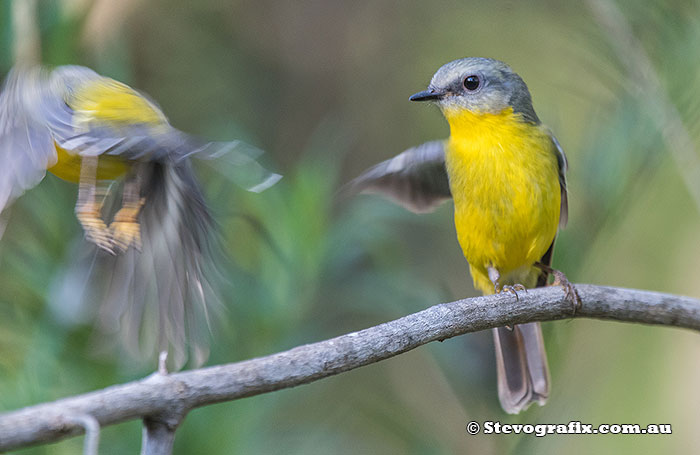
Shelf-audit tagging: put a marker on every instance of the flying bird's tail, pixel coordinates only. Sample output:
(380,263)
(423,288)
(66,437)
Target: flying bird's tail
(159,298)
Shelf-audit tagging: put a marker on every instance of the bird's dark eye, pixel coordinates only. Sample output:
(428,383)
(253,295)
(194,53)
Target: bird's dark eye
(471,83)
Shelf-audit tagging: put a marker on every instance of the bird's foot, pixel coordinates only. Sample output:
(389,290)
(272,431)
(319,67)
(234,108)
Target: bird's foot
(571,292)
(125,228)
(512,289)
(96,230)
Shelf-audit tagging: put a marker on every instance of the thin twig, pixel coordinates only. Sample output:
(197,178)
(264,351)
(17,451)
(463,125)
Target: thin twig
(92,432)
(163,363)
(168,398)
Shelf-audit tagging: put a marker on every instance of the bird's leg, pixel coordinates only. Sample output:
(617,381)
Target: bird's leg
(87,209)
(125,227)
(495,277)
(561,280)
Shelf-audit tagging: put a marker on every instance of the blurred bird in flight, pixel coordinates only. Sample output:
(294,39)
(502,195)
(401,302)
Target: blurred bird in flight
(93,130)
(506,173)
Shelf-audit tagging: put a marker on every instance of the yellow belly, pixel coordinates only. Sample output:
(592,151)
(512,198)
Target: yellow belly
(504,181)
(67,166)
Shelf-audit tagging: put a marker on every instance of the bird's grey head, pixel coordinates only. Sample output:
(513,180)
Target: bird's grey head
(480,85)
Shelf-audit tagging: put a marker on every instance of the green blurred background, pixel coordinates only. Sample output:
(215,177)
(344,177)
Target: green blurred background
(322,86)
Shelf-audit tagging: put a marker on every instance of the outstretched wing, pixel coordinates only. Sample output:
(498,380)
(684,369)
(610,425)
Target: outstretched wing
(234,160)
(26,145)
(416,179)
(237,162)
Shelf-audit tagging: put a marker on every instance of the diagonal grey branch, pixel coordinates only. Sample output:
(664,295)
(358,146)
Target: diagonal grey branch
(168,398)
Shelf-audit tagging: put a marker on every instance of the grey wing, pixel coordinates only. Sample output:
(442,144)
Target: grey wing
(563,167)
(26,144)
(415,179)
(235,160)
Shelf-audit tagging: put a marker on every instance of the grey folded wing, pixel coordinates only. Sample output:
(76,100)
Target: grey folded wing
(563,166)
(415,179)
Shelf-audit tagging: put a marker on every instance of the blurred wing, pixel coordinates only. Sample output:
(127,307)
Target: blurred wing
(563,167)
(236,161)
(26,144)
(415,179)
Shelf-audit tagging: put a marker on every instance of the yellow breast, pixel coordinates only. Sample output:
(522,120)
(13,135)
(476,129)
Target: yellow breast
(67,166)
(504,180)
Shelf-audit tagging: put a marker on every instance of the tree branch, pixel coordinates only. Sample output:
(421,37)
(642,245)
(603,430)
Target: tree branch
(166,399)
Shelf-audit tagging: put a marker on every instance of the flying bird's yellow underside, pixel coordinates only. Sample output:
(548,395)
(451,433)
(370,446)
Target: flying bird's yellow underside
(67,166)
(106,102)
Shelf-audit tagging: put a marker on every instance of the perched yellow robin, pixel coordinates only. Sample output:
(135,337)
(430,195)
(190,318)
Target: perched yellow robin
(92,130)
(506,173)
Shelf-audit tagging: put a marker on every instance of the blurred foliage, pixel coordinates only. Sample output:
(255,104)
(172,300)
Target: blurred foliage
(322,86)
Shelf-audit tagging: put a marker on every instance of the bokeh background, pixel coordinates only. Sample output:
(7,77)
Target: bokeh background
(322,86)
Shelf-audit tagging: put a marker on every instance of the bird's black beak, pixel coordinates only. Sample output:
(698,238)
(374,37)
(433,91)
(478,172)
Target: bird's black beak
(427,95)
